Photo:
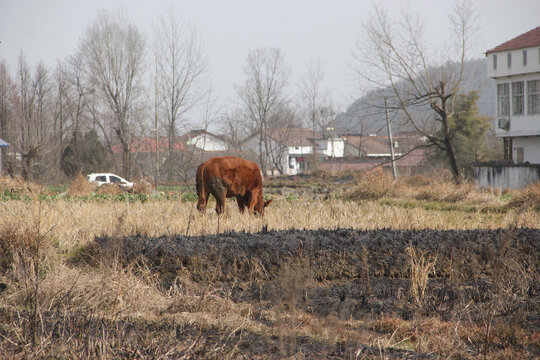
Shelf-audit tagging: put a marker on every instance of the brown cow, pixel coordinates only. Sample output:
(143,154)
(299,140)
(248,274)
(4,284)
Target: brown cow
(229,176)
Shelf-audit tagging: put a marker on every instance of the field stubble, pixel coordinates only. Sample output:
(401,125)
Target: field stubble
(64,294)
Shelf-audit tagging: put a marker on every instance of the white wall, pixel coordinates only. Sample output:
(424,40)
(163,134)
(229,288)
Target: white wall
(335,147)
(531,148)
(207,143)
(513,177)
(533,62)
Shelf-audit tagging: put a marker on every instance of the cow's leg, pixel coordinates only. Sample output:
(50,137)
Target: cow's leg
(220,204)
(241,203)
(251,201)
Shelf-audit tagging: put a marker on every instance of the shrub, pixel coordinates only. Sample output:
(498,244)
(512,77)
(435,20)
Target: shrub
(110,189)
(371,186)
(142,187)
(81,186)
(528,197)
(17,186)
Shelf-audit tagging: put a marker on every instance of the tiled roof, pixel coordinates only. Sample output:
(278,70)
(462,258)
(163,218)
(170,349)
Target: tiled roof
(528,39)
(148,145)
(293,136)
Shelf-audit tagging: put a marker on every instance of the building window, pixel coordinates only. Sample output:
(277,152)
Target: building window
(524,57)
(503,97)
(533,97)
(507,145)
(517,98)
(495,62)
(509,60)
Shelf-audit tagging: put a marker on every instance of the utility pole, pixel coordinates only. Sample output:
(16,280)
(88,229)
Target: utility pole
(391,141)
(156,129)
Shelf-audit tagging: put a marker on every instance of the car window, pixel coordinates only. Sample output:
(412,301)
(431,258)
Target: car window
(115,179)
(101,178)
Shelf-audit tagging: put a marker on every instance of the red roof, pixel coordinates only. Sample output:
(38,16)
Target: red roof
(529,39)
(147,145)
(417,157)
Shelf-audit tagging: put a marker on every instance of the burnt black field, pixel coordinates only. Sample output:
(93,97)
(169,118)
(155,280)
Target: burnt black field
(351,274)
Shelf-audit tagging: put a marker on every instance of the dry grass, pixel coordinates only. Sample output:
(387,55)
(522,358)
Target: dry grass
(111,292)
(142,187)
(18,186)
(80,186)
(372,186)
(529,197)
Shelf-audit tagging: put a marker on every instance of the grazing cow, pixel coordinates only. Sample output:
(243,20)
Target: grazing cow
(229,176)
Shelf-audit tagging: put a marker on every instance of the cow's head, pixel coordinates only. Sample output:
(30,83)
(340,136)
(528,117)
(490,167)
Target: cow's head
(261,204)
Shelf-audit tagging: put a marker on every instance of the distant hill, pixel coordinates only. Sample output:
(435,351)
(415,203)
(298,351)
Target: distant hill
(362,117)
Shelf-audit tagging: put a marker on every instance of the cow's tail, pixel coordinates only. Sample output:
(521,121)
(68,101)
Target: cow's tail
(199,179)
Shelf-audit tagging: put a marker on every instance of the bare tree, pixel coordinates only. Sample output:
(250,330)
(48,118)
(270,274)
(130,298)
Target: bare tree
(7,92)
(113,56)
(26,143)
(313,98)
(181,65)
(423,85)
(264,92)
(235,125)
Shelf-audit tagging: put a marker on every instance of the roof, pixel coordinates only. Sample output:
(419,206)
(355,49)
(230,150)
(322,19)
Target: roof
(3,143)
(293,136)
(529,39)
(369,144)
(416,157)
(198,132)
(147,145)
(380,144)
(290,136)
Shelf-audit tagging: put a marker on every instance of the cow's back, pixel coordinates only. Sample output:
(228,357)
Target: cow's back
(236,174)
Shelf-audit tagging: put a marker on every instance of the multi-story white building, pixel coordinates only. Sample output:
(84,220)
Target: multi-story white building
(515,66)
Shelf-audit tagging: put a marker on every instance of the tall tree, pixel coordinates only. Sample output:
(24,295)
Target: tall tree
(113,56)
(26,143)
(467,134)
(313,98)
(423,86)
(263,92)
(7,92)
(180,68)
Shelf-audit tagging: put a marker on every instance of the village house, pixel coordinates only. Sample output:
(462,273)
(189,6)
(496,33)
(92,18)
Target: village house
(366,153)
(290,151)
(515,67)
(205,141)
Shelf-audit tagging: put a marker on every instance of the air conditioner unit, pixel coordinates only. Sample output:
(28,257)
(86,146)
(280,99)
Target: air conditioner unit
(504,123)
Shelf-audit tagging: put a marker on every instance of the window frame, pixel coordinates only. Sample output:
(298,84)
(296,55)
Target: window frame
(509,60)
(533,97)
(524,57)
(518,99)
(503,95)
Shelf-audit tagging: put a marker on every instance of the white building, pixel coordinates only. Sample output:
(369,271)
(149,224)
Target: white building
(205,141)
(289,149)
(515,67)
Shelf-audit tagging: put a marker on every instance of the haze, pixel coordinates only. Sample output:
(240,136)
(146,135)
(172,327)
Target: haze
(304,30)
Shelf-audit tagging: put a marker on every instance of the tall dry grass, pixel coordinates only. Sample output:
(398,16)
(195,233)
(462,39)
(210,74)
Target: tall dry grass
(108,291)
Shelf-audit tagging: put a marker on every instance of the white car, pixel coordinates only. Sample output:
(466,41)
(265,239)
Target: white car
(108,178)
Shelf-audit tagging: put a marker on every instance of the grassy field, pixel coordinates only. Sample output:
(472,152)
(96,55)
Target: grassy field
(57,284)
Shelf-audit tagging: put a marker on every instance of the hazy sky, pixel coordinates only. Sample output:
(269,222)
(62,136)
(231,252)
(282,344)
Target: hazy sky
(303,29)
